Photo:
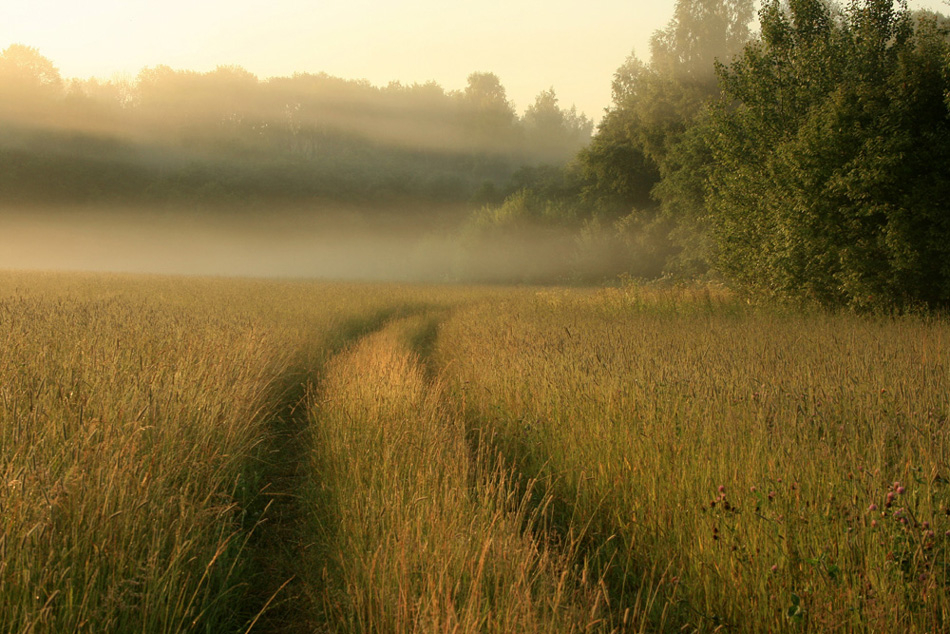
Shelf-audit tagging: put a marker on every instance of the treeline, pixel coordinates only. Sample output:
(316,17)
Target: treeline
(227,137)
(808,161)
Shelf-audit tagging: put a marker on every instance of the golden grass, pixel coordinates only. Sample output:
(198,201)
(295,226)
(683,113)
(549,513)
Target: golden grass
(739,451)
(126,425)
(135,421)
(637,459)
(416,533)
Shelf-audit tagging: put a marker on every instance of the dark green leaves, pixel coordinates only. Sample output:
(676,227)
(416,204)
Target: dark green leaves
(832,165)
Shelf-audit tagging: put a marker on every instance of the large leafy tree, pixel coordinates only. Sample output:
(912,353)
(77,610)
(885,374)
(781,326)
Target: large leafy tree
(832,157)
(22,67)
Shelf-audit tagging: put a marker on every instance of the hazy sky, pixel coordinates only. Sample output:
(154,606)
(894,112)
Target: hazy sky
(530,44)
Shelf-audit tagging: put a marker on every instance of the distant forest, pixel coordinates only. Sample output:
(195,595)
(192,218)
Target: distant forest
(807,160)
(226,137)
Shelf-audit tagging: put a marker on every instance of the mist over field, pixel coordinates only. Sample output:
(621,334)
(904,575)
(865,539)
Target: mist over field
(223,173)
(342,245)
(179,243)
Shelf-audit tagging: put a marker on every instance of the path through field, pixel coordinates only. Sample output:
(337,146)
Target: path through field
(395,521)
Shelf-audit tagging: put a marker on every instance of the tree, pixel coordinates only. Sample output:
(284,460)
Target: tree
(648,155)
(701,32)
(29,82)
(552,134)
(832,155)
(663,97)
(24,67)
(490,116)
(618,176)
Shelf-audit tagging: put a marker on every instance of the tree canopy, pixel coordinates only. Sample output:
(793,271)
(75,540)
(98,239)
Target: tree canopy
(655,103)
(831,151)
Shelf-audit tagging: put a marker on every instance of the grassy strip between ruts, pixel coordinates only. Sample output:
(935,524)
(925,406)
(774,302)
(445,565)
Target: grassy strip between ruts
(414,533)
(275,598)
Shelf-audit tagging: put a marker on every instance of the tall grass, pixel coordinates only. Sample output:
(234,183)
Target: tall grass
(125,427)
(756,471)
(467,460)
(413,533)
(138,444)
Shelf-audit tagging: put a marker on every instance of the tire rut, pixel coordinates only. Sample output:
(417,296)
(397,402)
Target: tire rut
(276,598)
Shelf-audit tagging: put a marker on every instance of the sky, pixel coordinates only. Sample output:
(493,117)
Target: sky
(532,45)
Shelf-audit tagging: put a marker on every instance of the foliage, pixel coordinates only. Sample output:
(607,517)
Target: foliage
(618,175)
(635,195)
(832,154)
(25,74)
(649,156)
(556,134)
(654,104)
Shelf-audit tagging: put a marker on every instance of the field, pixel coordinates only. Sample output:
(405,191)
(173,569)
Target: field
(222,455)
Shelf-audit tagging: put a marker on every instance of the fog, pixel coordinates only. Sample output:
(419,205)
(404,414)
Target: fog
(328,244)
